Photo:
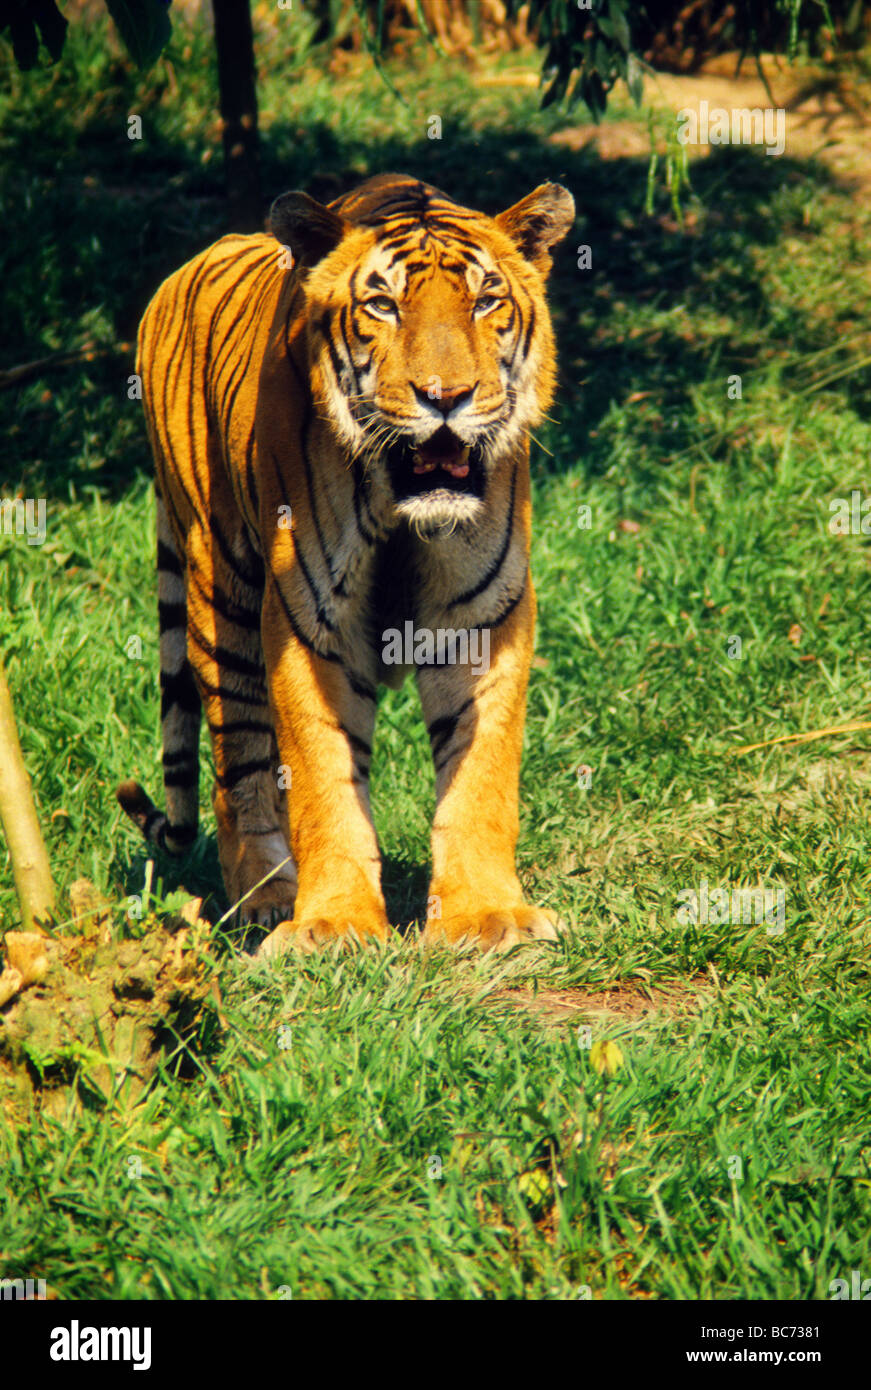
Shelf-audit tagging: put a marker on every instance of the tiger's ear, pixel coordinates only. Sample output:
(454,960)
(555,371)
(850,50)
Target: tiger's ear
(308,228)
(539,221)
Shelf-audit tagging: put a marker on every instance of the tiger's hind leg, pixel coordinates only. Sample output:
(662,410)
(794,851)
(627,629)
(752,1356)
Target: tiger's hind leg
(224,595)
(257,865)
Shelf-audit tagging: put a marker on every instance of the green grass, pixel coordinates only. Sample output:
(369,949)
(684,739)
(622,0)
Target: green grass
(307,1167)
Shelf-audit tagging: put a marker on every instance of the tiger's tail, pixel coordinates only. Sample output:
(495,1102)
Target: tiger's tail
(180,713)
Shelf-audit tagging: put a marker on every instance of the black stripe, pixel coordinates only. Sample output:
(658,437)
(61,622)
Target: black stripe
(366,535)
(362,491)
(242,726)
(401,238)
(249,574)
(322,616)
(228,348)
(179,314)
(515,353)
(359,744)
(298,633)
(250,477)
(361,687)
(234,775)
(442,730)
(338,367)
(180,777)
(449,237)
(445,757)
(279,477)
(491,573)
(219,599)
(177,756)
(228,342)
(182,355)
(343,327)
(305,427)
(228,660)
(171,615)
(509,608)
(178,690)
(239,371)
(397,256)
(529,331)
(509,326)
(184,834)
(247,618)
(364,531)
(220,692)
(167,559)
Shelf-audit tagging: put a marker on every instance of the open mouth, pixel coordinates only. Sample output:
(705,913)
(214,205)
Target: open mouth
(443,464)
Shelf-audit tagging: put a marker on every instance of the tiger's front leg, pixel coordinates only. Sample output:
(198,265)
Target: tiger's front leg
(324,729)
(475,724)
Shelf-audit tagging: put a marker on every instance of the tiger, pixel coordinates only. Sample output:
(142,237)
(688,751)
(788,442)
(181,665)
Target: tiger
(339,410)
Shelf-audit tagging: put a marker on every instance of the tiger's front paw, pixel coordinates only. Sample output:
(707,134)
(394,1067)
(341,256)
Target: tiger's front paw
(266,915)
(260,914)
(315,933)
(496,929)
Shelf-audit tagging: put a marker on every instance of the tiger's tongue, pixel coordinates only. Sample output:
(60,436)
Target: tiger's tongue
(431,456)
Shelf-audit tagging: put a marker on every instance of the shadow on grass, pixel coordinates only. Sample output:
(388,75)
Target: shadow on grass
(108,232)
(199,873)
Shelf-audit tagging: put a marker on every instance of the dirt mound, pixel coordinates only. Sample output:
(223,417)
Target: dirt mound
(98,1013)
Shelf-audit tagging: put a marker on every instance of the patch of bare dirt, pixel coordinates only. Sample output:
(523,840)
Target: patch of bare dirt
(617,1002)
(826,113)
(616,140)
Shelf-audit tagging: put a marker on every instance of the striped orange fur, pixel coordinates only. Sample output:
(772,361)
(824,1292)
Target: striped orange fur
(339,415)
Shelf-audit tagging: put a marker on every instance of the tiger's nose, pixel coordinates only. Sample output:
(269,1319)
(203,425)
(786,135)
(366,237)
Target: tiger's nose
(446,400)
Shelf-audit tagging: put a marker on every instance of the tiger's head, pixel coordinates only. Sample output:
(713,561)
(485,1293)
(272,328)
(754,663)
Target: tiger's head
(429,338)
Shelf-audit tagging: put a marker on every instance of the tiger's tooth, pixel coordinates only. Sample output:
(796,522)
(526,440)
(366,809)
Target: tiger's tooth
(422,465)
